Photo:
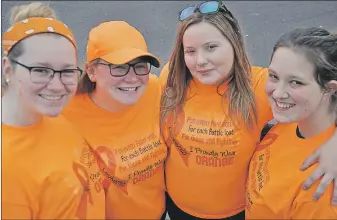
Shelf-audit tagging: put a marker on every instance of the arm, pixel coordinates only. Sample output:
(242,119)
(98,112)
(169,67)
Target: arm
(326,155)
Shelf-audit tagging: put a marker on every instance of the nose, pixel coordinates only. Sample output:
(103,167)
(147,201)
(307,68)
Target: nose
(131,76)
(280,91)
(55,84)
(201,58)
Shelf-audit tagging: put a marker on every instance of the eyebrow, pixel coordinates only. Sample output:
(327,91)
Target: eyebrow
(208,43)
(291,76)
(64,66)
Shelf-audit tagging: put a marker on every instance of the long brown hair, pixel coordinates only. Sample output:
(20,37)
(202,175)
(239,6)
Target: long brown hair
(240,94)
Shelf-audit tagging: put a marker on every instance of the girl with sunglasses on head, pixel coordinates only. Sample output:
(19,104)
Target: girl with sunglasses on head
(213,110)
(301,89)
(117,110)
(45,168)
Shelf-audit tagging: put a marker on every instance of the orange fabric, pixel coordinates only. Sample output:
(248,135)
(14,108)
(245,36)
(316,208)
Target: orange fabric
(274,186)
(49,172)
(32,26)
(117,42)
(131,142)
(208,164)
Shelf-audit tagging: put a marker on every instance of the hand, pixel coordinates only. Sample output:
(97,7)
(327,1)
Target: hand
(327,167)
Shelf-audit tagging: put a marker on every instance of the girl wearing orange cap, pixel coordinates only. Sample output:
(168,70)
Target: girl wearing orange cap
(213,109)
(117,110)
(301,89)
(48,170)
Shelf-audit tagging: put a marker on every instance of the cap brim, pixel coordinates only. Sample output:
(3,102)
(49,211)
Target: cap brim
(128,54)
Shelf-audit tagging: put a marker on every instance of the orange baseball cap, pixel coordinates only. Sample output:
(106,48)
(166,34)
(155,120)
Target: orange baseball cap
(117,42)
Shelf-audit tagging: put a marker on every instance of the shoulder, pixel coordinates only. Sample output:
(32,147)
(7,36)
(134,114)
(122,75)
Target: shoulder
(153,84)
(164,74)
(259,77)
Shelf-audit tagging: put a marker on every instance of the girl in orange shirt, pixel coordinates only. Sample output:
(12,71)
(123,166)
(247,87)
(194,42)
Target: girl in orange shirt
(213,109)
(48,170)
(117,111)
(302,89)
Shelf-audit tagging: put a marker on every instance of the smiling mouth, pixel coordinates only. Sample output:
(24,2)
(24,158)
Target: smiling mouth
(282,105)
(204,72)
(51,97)
(128,89)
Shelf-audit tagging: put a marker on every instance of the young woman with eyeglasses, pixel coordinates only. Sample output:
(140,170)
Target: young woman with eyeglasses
(116,109)
(212,112)
(45,171)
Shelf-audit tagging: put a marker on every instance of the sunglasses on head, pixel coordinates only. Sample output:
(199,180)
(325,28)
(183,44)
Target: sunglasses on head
(208,7)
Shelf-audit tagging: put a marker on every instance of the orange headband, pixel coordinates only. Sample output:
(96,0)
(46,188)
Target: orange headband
(32,26)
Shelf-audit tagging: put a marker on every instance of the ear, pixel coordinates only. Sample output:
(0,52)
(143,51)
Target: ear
(332,85)
(90,72)
(7,69)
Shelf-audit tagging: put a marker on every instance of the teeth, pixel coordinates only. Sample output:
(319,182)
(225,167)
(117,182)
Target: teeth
(52,97)
(128,88)
(284,105)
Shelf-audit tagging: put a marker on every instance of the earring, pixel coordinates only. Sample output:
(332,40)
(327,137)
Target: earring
(7,80)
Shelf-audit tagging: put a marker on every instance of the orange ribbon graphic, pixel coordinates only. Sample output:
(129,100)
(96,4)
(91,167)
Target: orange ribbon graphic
(109,169)
(266,142)
(178,126)
(83,177)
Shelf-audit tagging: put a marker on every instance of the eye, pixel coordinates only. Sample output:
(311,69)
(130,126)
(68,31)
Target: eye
(189,51)
(296,83)
(273,76)
(41,71)
(120,67)
(211,47)
(69,72)
(141,65)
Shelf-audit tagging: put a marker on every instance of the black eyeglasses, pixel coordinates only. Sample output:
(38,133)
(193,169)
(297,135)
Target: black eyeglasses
(208,7)
(140,68)
(44,75)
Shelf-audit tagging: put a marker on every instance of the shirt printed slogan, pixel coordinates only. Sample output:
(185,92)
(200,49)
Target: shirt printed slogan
(133,163)
(210,143)
(258,173)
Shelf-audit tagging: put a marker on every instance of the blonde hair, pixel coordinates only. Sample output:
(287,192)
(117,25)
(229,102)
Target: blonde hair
(242,104)
(34,9)
(21,12)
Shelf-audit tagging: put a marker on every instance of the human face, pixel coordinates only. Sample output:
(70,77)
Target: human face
(292,90)
(208,54)
(50,51)
(127,89)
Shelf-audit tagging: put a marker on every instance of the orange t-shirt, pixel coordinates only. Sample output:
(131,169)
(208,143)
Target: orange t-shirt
(208,164)
(49,172)
(274,185)
(131,143)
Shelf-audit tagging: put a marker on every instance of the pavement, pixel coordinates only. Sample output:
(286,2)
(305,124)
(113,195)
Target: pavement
(262,22)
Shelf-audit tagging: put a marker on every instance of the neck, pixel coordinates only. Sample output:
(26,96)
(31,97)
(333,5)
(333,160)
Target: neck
(106,102)
(316,124)
(14,113)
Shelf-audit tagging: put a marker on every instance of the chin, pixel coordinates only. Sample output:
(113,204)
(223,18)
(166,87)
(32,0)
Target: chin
(51,112)
(129,102)
(284,119)
(208,82)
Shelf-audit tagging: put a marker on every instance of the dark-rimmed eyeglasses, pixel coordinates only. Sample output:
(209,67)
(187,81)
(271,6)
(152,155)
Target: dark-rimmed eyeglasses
(140,68)
(208,7)
(43,75)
